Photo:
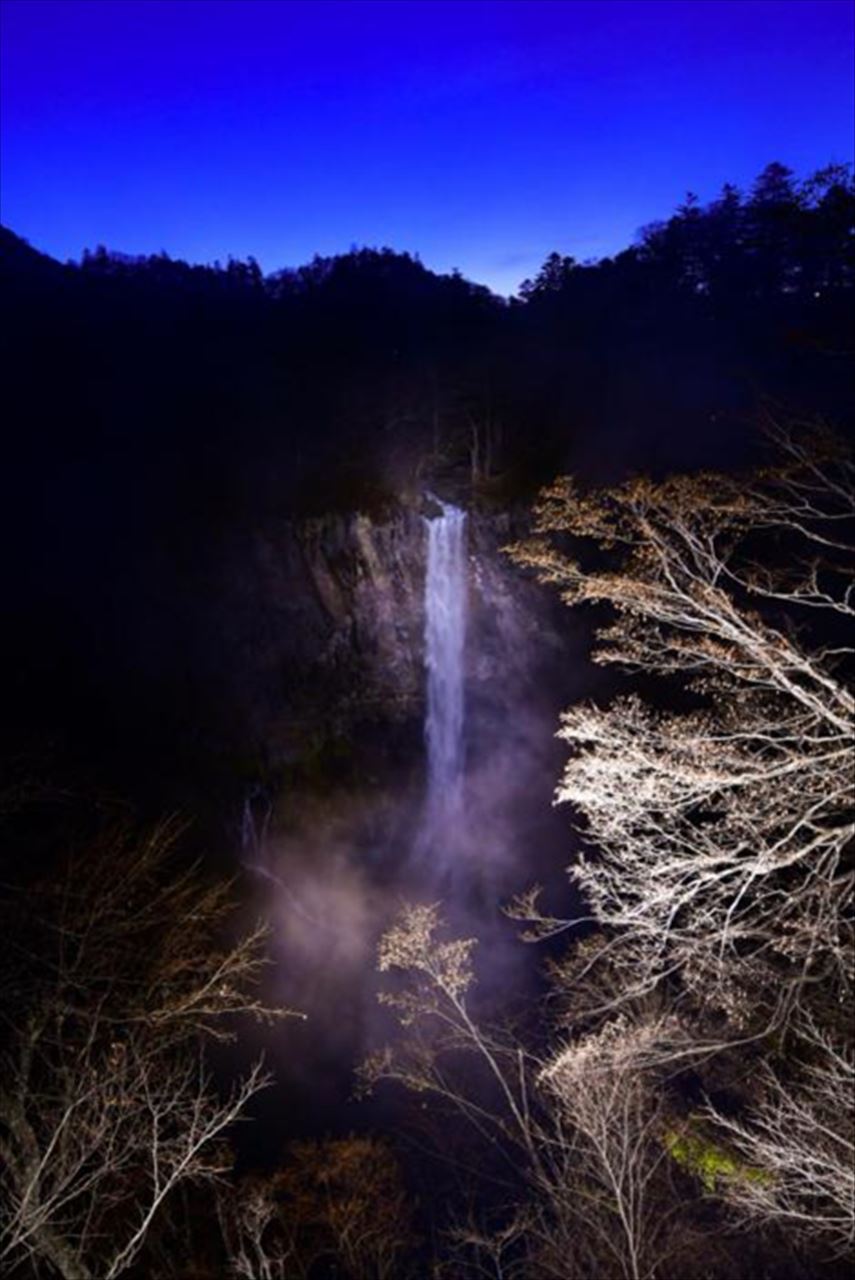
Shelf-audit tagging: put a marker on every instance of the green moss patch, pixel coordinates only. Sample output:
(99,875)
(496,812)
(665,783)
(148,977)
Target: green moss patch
(709,1161)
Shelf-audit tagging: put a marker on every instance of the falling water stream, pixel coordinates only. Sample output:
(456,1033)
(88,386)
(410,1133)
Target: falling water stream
(445,630)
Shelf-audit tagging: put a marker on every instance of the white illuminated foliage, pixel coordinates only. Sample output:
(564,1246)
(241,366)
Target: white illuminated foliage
(431,999)
(719,833)
(800,1135)
(720,869)
(606,1093)
(412,944)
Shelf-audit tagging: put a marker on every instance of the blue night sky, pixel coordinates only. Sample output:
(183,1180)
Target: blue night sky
(481,135)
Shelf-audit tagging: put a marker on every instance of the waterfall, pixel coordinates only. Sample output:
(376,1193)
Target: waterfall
(255,818)
(445,627)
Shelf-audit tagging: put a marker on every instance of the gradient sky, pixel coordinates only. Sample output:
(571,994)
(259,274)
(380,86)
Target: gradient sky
(480,134)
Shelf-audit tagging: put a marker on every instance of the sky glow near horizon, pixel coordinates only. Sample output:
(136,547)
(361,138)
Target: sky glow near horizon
(481,135)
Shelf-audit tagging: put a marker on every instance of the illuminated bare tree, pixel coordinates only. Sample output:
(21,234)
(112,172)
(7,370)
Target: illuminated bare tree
(582,1127)
(609,1107)
(722,833)
(719,831)
(432,1004)
(116,972)
(800,1135)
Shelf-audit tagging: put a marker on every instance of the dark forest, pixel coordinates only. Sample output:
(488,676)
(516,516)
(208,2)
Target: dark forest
(262,530)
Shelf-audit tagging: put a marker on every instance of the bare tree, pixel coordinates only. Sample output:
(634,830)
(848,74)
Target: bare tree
(719,832)
(505,1250)
(260,1242)
(799,1138)
(432,1004)
(341,1201)
(609,1106)
(116,972)
(581,1127)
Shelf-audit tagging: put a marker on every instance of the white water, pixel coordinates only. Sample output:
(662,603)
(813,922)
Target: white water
(445,633)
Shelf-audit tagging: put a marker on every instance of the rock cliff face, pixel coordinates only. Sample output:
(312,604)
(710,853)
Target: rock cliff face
(328,624)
